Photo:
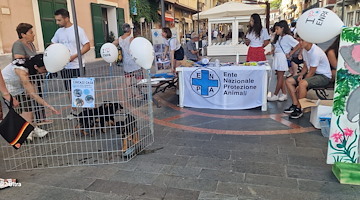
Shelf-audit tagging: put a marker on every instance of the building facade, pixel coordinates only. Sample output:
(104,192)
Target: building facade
(100,19)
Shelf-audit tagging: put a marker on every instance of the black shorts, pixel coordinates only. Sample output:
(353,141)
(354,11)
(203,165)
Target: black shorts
(297,61)
(179,54)
(67,74)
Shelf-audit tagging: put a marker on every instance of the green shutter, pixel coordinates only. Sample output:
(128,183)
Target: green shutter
(120,19)
(98,30)
(48,23)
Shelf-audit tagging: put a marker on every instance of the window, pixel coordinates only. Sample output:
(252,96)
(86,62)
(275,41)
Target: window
(357,16)
(350,19)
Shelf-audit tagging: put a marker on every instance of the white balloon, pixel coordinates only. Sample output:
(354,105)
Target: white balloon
(109,52)
(56,56)
(318,25)
(142,51)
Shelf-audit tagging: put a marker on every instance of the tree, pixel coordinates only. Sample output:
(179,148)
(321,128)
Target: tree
(275,4)
(147,9)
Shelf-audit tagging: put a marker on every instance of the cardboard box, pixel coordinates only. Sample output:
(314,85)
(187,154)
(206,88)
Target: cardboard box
(319,108)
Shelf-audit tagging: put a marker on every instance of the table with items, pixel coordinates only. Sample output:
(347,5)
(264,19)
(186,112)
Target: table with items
(224,86)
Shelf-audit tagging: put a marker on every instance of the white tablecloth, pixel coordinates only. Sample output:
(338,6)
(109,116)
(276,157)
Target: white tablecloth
(228,87)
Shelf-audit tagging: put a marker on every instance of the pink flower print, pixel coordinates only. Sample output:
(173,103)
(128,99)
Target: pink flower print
(348,132)
(337,137)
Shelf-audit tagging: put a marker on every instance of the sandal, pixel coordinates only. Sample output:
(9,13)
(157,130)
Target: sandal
(5,183)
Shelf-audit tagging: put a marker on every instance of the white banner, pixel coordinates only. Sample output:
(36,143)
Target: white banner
(224,88)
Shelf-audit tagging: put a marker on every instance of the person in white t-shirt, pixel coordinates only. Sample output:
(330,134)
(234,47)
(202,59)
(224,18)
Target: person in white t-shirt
(285,47)
(173,46)
(66,36)
(315,73)
(257,38)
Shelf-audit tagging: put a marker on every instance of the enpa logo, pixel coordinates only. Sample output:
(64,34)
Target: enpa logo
(205,82)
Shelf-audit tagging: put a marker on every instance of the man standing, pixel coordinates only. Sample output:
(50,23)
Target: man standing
(66,36)
(315,73)
(190,50)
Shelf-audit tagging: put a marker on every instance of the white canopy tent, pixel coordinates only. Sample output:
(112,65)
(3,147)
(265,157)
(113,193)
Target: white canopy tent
(235,15)
(230,9)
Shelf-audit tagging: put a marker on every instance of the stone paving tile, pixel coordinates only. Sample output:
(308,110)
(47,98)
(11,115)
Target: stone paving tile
(164,149)
(258,157)
(326,187)
(185,183)
(311,139)
(311,173)
(284,140)
(90,195)
(189,135)
(148,191)
(216,196)
(240,146)
(167,159)
(149,167)
(134,177)
(238,138)
(204,152)
(210,163)
(223,176)
(259,168)
(302,151)
(186,142)
(117,187)
(307,161)
(192,172)
(274,193)
(273,181)
(181,194)
(60,181)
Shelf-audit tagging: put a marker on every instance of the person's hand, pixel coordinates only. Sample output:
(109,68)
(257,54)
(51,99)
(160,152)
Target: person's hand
(247,41)
(73,57)
(300,78)
(288,56)
(53,110)
(7,97)
(268,53)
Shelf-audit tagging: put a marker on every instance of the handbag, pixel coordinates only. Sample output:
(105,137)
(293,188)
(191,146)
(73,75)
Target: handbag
(14,128)
(288,61)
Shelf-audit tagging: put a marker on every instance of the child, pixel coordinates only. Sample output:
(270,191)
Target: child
(284,42)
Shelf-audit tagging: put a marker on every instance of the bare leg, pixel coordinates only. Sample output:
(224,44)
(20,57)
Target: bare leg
(280,81)
(302,89)
(294,68)
(291,87)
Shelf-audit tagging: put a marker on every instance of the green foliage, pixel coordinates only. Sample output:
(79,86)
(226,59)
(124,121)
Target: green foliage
(147,9)
(346,82)
(275,4)
(351,34)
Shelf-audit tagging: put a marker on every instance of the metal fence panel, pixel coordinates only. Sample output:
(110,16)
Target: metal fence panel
(119,127)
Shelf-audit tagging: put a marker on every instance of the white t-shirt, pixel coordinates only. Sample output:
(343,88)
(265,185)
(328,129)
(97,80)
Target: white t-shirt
(287,42)
(172,43)
(66,36)
(316,57)
(12,80)
(258,41)
(215,34)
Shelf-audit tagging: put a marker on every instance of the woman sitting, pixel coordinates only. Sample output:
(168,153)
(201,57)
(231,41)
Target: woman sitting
(17,79)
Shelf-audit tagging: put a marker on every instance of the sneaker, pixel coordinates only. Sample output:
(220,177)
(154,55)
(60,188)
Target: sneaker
(30,136)
(38,132)
(273,98)
(296,114)
(283,97)
(290,109)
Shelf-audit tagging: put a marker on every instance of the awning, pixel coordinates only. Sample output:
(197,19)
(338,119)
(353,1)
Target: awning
(168,17)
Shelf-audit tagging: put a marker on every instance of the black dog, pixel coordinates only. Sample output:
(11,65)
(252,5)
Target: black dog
(129,131)
(103,115)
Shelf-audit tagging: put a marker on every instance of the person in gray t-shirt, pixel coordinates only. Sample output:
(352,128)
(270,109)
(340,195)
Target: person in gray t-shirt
(24,47)
(190,48)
